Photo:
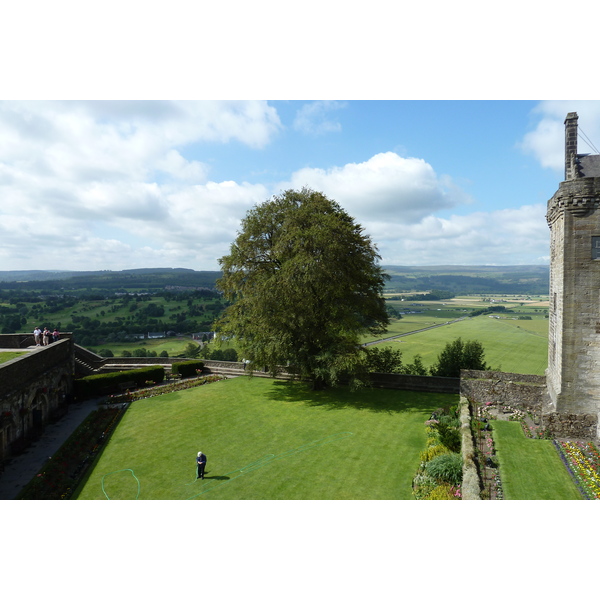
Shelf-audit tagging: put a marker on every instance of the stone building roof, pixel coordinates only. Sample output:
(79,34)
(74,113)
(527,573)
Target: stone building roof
(589,165)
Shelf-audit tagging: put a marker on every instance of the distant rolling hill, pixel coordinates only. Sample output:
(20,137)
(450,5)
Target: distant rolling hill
(521,279)
(514,279)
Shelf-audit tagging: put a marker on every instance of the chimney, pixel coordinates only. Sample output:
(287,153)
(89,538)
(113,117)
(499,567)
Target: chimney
(571,145)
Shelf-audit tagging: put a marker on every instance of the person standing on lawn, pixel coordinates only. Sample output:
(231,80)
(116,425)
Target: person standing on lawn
(201,464)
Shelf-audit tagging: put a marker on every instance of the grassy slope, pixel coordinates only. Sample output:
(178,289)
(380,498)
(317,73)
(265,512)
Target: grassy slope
(530,469)
(241,421)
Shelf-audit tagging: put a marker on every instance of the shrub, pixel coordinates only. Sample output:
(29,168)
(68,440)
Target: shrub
(423,486)
(100,385)
(187,368)
(450,421)
(443,492)
(457,355)
(446,468)
(432,451)
(433,440)
(449,437)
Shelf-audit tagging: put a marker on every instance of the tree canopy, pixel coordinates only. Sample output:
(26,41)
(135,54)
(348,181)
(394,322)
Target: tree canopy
(304,283)
(459,355)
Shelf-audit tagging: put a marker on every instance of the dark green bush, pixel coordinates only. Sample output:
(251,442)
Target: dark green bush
(446,468)
(449,436)
(108,383)
(450,421)
(187,368)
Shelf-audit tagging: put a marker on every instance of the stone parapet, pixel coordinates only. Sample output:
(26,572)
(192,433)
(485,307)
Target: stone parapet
(578,196)
(21,371)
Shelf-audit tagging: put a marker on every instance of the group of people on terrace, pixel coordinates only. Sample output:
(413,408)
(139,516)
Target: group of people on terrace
(45,337)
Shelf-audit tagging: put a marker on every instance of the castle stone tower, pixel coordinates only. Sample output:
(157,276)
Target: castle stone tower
(573,375)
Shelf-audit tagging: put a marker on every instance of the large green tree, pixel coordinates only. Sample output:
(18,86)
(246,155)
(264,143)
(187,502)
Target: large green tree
(304,283)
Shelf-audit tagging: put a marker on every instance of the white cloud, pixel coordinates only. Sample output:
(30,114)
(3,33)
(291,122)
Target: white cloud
(386,187)
(503,237)
(547,141)
(108,185)
(314,118)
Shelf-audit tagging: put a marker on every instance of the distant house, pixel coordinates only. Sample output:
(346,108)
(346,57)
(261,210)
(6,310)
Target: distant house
(200,335)
(155,335)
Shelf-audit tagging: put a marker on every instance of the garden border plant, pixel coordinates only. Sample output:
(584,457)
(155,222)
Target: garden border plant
(439,476)
(582,461)
(178,386)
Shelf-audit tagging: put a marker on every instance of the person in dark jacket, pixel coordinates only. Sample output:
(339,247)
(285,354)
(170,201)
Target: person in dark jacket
(201,464)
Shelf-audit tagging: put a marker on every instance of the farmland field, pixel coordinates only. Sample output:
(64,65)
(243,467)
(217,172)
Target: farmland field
(514,342)
(510,346)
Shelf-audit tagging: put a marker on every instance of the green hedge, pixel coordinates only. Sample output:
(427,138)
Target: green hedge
(108,383)
(187,368)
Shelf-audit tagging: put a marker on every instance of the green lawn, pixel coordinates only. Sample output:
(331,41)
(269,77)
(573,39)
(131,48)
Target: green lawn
(6,356)
(530,469)
(266,439)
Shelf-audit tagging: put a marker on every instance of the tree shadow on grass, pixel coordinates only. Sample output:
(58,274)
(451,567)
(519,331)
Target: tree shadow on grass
(373,399)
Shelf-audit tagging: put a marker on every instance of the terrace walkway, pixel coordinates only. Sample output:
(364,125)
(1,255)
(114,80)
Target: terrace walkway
(20,469)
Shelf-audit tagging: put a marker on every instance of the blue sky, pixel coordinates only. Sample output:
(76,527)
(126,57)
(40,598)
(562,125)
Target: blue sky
(127,184)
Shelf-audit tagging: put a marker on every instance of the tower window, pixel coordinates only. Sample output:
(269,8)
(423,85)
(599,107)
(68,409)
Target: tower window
(596,247)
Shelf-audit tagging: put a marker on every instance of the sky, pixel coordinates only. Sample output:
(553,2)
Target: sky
(120,184)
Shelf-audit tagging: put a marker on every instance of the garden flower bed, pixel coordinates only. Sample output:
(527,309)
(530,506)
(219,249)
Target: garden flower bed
(440,473)
(582,460)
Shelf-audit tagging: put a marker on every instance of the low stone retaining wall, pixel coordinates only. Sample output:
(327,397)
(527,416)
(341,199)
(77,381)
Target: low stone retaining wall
(471,489)
(416,383)
(525,392)
(561,425)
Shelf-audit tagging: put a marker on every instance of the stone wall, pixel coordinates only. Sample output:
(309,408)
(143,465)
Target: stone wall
(36,388)
(416,383)
(561,425)
(471,488)
(16,340)
(524,392)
